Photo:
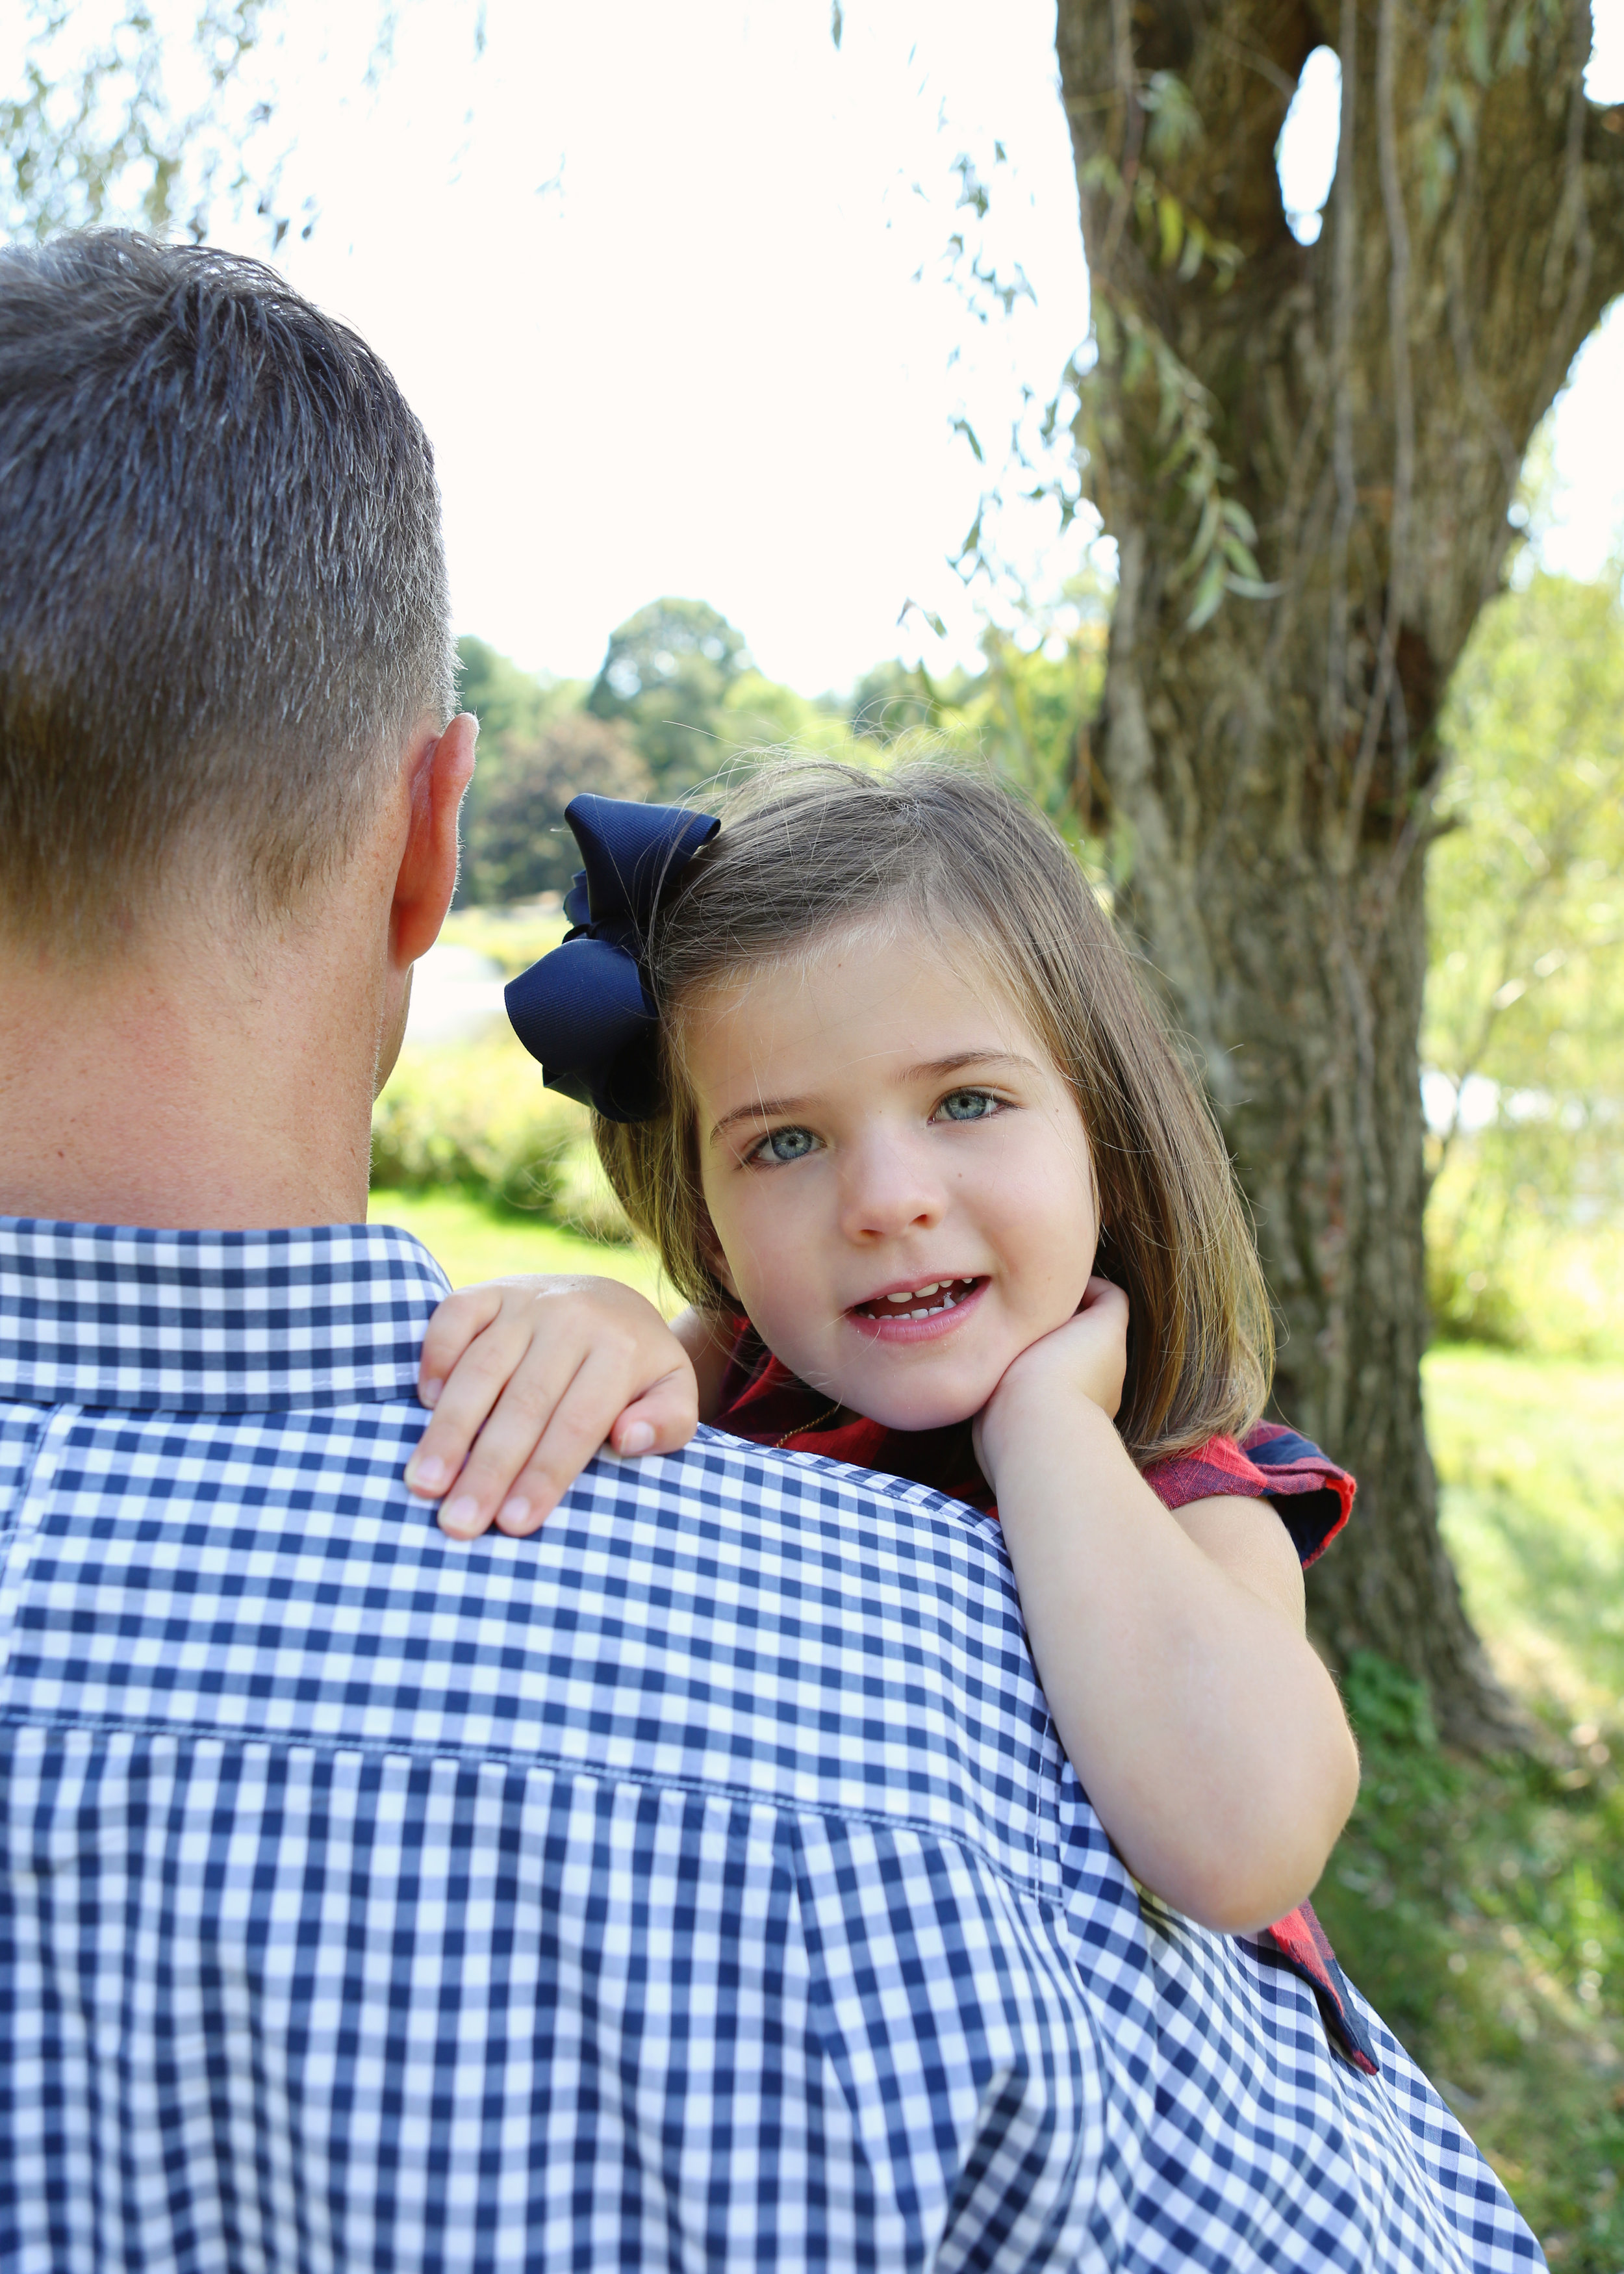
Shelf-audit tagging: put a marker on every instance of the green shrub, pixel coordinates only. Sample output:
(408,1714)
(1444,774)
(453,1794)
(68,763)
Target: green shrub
(1522,1255)
(474,1116)
(514,936)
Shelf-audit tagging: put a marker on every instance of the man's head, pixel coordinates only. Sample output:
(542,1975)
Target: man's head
(224,603)
(228,789)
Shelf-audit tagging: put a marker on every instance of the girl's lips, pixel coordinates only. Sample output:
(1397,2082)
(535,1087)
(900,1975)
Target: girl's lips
(873,1323)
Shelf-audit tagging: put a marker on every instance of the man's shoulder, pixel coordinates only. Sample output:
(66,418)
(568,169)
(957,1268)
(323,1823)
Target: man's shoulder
(729,1618)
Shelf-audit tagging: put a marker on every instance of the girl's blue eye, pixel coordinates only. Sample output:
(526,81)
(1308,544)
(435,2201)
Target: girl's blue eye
(968,1105)
(785,1145)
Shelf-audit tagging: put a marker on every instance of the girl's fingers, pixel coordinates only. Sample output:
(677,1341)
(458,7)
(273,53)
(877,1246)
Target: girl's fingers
(503,1360)
(456,1323)
(661,1420)
(581,1422)
(1105,1299)
(548,1423)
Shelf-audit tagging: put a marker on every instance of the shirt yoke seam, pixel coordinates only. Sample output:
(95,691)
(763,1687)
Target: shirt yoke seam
(56,1724)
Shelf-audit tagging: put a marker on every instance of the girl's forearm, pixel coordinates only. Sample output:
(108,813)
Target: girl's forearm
(1202,1725)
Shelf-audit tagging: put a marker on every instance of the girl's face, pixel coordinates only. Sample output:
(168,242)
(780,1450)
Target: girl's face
(898,1177)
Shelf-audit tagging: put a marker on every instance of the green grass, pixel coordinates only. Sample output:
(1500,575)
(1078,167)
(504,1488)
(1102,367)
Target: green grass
(475,1239)
(1531,1451)
(1480,1905)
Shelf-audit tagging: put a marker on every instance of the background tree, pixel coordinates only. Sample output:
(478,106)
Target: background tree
(1306,454)
(666,675)
(139,129)
(511,703)
(516,843)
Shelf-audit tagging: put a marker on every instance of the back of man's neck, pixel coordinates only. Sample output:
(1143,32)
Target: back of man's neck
(183,1089)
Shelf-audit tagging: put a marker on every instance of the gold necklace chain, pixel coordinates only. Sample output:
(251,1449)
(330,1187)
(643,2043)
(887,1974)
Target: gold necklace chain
(805,1429)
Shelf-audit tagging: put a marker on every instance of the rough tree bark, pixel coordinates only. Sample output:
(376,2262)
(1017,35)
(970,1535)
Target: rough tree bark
(1370,397)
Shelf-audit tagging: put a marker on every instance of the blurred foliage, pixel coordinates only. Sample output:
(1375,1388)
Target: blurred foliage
(1532,1452)
(476,1116)
(1525,999)
(1480,1908)
(508,702)
(516,843)
(679,705)
(1480,1905)
(896,698)
(1025,713)
(535,750)
(513,937)
(665,676)
(107,121)
(475,1238)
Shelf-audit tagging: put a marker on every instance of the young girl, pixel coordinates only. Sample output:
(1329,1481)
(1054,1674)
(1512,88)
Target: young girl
(872,1070)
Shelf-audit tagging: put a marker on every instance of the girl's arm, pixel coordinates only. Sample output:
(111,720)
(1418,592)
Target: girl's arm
(709,1345)
(537,1376)
(1171,1647)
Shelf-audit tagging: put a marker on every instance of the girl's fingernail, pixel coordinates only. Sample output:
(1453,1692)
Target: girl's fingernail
(637,1439)
(429,1471)
(461,1514)
(513,1514)
(428,1392)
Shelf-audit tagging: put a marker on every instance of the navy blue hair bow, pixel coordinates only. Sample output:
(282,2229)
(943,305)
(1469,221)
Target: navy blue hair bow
(585,1009)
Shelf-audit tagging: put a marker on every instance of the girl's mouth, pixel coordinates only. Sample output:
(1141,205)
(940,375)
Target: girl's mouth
(912,1313)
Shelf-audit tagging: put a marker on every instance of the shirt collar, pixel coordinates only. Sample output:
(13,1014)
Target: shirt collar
(211,1321)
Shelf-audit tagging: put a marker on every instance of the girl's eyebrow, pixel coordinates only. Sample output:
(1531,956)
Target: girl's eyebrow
(962,1058)
(759,1109)
(768,1109)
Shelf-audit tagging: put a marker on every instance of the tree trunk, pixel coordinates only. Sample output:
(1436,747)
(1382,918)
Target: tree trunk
(1367,400)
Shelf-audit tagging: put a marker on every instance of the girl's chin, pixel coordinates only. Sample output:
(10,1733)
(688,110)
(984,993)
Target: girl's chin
(915,1428)
(915,1415)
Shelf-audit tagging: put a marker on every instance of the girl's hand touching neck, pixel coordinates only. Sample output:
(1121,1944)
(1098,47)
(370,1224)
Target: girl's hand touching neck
(1087,1356)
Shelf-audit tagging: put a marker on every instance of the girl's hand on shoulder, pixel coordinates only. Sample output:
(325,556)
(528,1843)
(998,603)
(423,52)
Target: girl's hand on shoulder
(535,1375)
(1087,1356)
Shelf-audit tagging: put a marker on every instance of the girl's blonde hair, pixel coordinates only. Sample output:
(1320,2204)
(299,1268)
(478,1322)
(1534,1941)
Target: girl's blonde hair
(809,847)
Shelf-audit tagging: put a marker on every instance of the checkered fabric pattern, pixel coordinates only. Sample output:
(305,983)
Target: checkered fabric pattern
(697,1885)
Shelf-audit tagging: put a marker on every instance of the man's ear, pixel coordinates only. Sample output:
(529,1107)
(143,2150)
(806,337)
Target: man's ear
(441,768)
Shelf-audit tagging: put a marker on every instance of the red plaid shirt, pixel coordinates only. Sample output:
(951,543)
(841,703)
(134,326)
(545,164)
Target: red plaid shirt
(765,1404)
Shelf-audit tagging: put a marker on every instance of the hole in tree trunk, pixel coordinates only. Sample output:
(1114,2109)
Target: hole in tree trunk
(1305,154)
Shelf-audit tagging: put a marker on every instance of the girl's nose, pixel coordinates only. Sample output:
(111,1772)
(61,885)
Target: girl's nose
(889,1188)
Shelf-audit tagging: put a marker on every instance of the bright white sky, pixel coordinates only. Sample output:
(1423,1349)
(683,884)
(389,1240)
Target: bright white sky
(699,364)
(647,274)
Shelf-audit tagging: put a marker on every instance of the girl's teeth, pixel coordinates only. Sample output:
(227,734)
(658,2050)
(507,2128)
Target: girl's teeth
(944,1288)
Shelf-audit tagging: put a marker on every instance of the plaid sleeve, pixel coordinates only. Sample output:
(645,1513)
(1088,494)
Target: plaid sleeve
(1312,1495)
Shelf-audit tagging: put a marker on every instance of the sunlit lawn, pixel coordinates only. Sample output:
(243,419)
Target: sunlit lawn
(1480,1905)
(474,1241)
(1532,1454)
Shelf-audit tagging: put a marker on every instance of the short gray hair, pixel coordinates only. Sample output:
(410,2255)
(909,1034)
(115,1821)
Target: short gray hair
(225,595)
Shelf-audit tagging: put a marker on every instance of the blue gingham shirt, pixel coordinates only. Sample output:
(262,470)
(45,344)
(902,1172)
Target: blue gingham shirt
(699,1883)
